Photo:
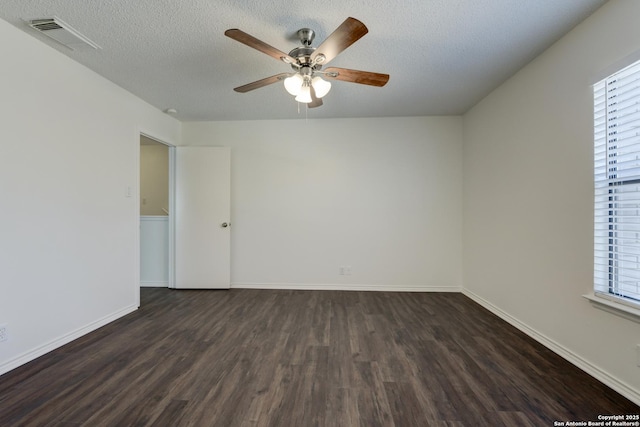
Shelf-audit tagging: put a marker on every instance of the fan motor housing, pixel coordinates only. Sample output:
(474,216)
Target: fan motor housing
(302,54)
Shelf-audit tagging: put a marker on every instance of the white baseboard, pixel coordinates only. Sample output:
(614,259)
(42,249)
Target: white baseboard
(345,287)
(154,284)
(65,339)
(602,376)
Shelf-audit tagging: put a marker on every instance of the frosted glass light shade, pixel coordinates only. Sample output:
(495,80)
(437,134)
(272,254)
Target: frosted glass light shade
(321,86)
(293,84)
(304,95)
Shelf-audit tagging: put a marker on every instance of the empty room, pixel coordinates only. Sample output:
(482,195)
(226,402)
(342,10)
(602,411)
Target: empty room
(320,214)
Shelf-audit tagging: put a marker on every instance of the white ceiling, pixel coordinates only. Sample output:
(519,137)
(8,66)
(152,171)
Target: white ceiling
(443,56)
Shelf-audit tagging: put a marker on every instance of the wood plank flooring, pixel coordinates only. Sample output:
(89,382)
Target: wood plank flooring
(303,358)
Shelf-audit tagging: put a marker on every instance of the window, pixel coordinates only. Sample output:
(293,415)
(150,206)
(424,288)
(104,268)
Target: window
(617,186)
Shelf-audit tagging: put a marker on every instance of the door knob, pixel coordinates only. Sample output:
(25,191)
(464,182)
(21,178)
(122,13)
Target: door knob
(224,225)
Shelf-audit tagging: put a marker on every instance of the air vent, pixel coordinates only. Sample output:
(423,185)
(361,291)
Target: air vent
(62,33)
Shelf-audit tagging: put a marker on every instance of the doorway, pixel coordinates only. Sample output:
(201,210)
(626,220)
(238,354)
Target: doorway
(188,246)
(155,222)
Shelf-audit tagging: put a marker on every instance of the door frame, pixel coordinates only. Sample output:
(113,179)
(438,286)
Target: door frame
(171,217)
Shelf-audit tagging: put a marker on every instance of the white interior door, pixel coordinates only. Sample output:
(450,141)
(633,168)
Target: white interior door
(202,213)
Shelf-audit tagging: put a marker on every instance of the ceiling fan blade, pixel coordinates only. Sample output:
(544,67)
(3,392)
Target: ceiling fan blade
(315,101)
(357,76)
(261,83)
(253,42)
(350,31)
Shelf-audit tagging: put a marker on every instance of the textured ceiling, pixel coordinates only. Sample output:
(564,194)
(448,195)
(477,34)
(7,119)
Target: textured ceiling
(443,56)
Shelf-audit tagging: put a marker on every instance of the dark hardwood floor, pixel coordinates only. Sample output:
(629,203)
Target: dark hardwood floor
(303,358)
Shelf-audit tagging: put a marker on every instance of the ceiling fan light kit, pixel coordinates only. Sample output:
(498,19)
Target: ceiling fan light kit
(299,85)
(306,83)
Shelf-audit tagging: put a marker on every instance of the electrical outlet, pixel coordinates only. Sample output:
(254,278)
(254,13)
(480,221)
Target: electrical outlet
(3,333)
(341,271)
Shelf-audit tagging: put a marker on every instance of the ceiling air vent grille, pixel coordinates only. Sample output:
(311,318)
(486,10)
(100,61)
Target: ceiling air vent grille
(62,33)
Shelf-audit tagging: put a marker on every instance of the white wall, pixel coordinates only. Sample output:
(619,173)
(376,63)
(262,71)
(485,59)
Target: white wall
(382,196)
(69,144)
(528,199)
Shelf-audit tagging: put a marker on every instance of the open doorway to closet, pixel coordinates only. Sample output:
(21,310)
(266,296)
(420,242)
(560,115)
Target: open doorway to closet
(154,213)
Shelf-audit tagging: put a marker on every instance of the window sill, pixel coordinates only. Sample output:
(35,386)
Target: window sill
(613,307)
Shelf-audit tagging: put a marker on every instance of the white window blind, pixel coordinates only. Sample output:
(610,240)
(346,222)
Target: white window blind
(617,186)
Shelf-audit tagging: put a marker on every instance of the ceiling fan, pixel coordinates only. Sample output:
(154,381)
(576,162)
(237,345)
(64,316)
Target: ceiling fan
(306,82)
